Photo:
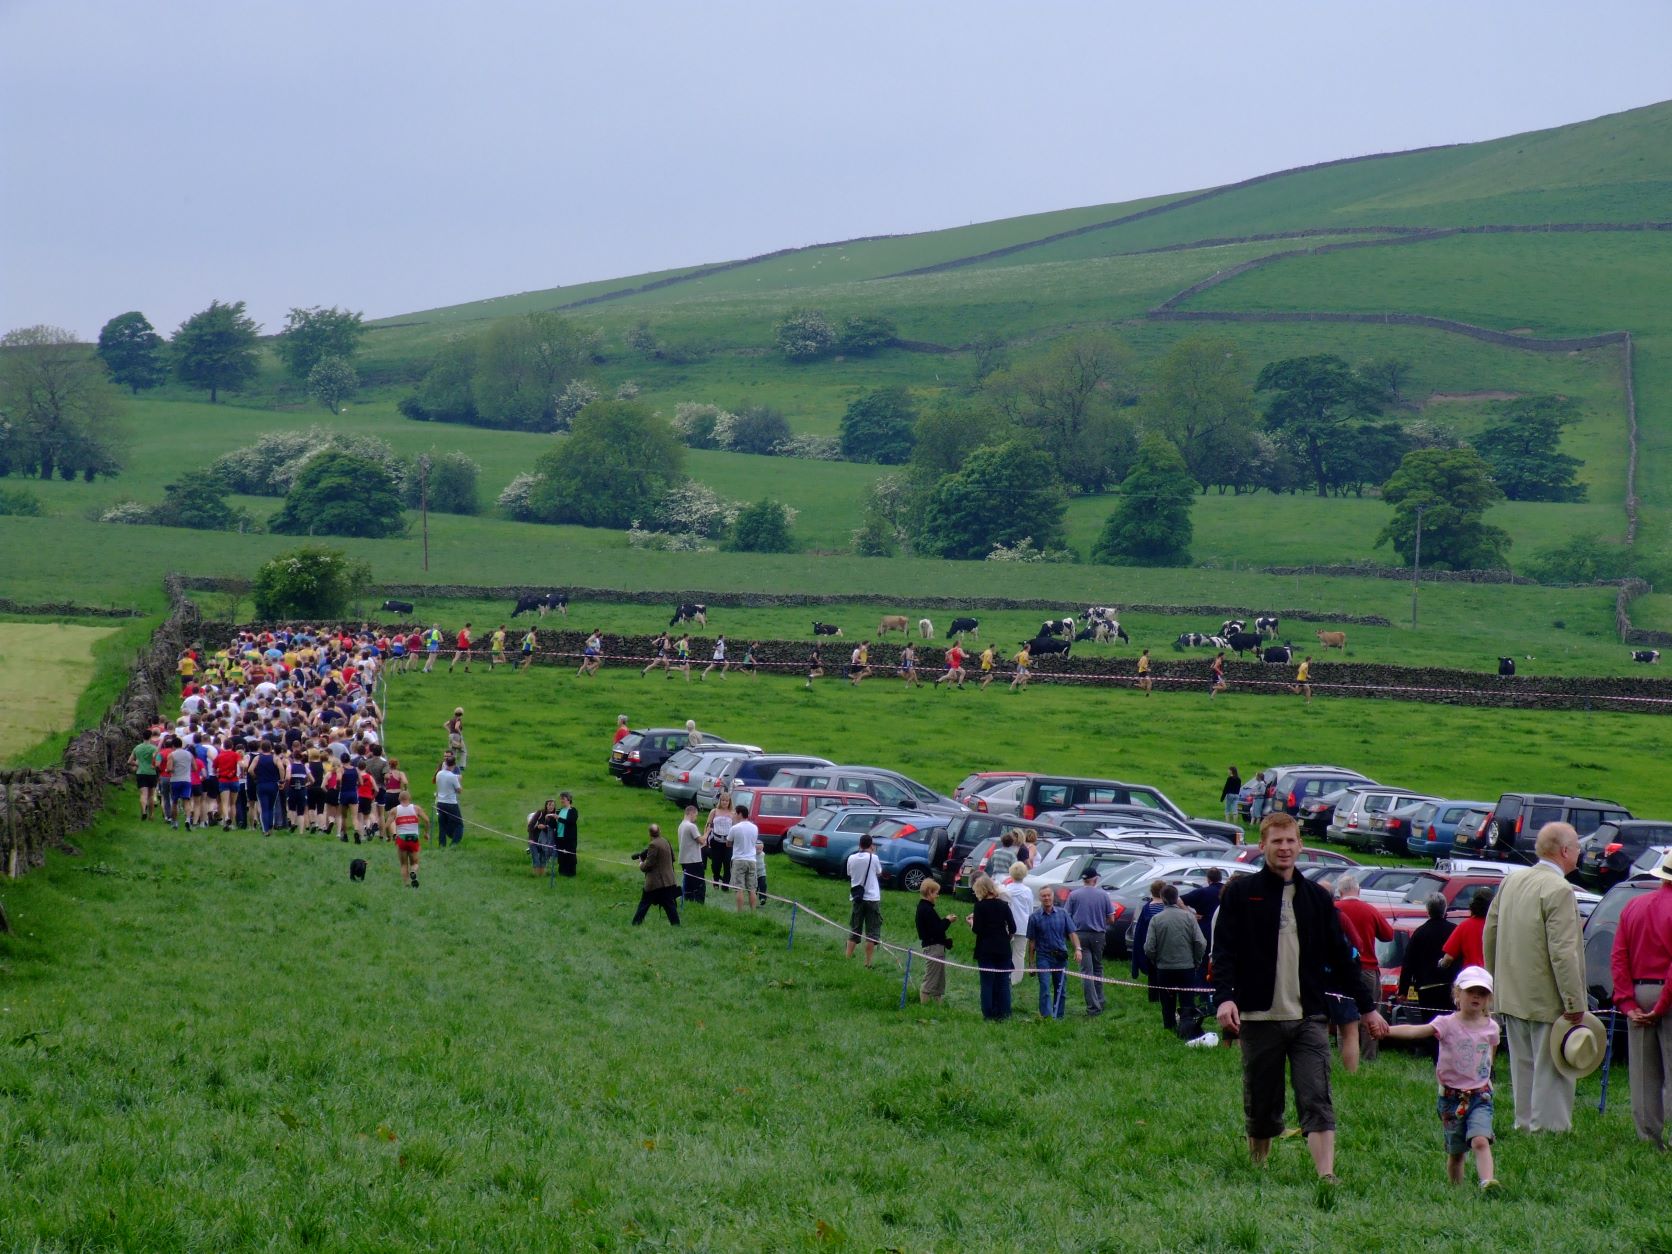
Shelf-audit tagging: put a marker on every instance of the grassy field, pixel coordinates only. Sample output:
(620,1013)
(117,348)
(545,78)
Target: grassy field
(48,665)
(490,1061)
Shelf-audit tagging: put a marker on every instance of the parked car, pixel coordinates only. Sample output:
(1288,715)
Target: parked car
(1457,887)
(960,871)
(1600,930)
(1650,858)
(638,756)
(1518,816)
(1290,789)
(981,781)
(1390,957)
(1114,842)
(970,829)
(1354,822)
(1316,813)
(908,846)
(1435,839)
(1064,792)
(1169,843)
(1130,889)
(1268,777)
(1087,819)
(822,840)
(1064,875)
(1393,826)
(890,788)
(1387,885)
(1325,873)
(684,772)
(1607,854)
(1003,797)
(751,772)
(776,810)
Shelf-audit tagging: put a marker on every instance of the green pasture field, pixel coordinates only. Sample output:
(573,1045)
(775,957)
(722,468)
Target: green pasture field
(44,669)
(215,1041)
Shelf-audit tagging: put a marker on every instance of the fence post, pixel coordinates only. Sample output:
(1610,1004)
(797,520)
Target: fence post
(905,979)
(794,906)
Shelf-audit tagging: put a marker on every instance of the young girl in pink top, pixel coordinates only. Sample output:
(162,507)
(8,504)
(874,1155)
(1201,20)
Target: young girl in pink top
(1468,1040)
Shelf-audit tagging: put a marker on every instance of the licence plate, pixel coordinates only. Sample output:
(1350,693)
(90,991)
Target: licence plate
(799,840)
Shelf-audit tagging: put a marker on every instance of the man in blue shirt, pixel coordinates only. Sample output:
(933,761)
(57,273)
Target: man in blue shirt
(1049,932)
(1091,910)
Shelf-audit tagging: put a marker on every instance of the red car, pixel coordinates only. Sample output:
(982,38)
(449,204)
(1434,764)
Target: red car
(776,810)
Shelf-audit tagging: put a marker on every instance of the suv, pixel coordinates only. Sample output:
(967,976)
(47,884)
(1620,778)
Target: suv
(1291,787)
(1068,792)
(968,832)
(1514,826)
(890,788)
(1437,838)
(750,772)
(1352,824)
(638,756)
(1607,854)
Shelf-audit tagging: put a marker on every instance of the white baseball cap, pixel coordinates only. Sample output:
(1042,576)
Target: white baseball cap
(1475,977)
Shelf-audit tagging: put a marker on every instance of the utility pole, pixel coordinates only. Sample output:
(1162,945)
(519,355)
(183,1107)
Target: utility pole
(424,502)
(1416,569)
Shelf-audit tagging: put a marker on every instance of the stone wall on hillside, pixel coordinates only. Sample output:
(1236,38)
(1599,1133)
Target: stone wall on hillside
(66,609)
(1355,571)
(44,807)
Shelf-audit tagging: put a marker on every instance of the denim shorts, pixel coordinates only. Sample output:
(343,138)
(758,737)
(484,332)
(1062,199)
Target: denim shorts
(1476,1121)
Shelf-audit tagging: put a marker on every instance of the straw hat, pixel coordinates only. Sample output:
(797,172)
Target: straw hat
(1577,1048)
(1664,870)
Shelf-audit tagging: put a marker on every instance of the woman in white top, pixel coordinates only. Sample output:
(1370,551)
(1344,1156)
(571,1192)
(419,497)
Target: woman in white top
(718,836)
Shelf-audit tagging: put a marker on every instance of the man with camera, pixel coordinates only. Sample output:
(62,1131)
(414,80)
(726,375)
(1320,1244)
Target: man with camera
(865,889)
(660,886)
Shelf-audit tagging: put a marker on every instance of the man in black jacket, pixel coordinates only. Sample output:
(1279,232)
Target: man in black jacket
(1421,971)
(1278,955)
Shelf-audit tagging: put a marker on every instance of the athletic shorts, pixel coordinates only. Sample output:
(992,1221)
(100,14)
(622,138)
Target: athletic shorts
(180,789)
(365,805)
(348,800)
(387,799)
(745,876)
(212,787)
(406,846)
(146,781)
(316,798)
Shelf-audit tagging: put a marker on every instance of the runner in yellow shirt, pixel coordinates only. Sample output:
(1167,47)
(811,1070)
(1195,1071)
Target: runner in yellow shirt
(1023,660)
(1303,679)
(187,667)
(986,665)
(1143,672)
(498,647)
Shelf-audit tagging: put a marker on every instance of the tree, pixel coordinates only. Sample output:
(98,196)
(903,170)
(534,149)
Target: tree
(879,426)
(1454,489)
(1314,403)
(610,470)
(1202,403)
(763,527)
(59,406)
(1370,457)
(310,582)
(339,494)
(1522,450)
(451,488)
(989,352)
(805,335)
(757,429)
(197,499)
(1583,558)
(1071,400)
(331,382)
(864,334)
(945,434)
(1003,493)
(132,351)
(1387,375)
(523,366)
(310,336)
(447,393)
(216,348)
(1150,525)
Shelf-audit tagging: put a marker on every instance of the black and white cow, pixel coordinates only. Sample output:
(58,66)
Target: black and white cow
(689,612)
(1110,629)
(1506,666)
(968,626)
(825,629)
(1241,642)
(397,607)
(1056,627)
(1266,625)
(1645,655)
(558,601)
(1217,642)
(1044,646)
(1277,653)
(1189,640)
(1231,626)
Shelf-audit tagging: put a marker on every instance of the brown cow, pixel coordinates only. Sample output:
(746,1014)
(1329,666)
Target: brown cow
(893,622)
(1333,640)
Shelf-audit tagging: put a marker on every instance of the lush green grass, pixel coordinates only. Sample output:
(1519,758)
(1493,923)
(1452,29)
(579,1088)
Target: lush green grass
(48,666)
(215,1042)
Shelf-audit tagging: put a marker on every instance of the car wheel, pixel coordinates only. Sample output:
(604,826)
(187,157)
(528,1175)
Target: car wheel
(652,779)
(913,879)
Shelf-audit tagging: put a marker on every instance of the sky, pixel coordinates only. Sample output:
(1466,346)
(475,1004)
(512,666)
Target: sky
(394,156)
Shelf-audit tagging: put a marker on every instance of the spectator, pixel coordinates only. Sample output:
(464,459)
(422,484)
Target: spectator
(1049,932)
(1141,967)
(660,886)
(455,733)
(1422,979)
(1257,799)
(745,871)
(1642,968)
(1463,947)
(932,935)
(1278,952)
(1003,855)
(865,889)
(448,816)
(693,737)
(542,836)
(621,731)
(1228,792)
(1092,910)
(994,924)
(568,834)
(1533,949)
(1016,891)
(1205,900)
(692,857)
(1364,925)
(1176,949)
(718,838)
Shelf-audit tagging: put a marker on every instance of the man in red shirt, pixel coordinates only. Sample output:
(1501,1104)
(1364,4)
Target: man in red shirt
(228,766)
(954,665)
(1364,925)
(462,650)
(1464,947)
(1642,967)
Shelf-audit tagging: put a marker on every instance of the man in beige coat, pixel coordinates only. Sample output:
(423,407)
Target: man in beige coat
(1533,947)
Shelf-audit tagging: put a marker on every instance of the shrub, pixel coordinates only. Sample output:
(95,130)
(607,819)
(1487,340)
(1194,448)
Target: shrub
(763,527)
(822,448)
(666,541)
(805,335)
(514,499)
(864,334)
(694,508)
(128,512)
(339,494)
(16,503)
(577,394)
(694,423)
(1024,550)
(197,499)
(880,426)
(619,461)
(757,429)
(310,582)
(452,485)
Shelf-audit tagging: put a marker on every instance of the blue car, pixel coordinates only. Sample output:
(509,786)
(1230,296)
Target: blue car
(911,848)
(1435,839)
(823,840)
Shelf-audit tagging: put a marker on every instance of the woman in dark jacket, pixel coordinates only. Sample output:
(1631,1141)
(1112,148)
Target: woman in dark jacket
(994,925)
(1228,795)
(931,934)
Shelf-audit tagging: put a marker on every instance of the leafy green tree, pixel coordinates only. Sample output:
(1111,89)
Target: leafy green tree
(523,366)
(339,494)
(946,433)
(448,390)
(1454,489)
(805,335)
(1584,558)
(1072,403)
(310,336)
(1388,375)
(879,426)
(1522,450)
(1314,405)
(1150,525)
(1202,403)
(59,408)
(758,429)
(133,352)
(612,468)
(1370,457)
(215,348)
(331,382)
(864,334)
(452,484)
(198,499)
(1003,493)
(763,527)
(310,582)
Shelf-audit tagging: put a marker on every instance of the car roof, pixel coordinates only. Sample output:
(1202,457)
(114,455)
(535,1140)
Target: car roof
(1562,797)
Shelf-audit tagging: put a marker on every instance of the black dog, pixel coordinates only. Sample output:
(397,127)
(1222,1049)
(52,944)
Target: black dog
(357,870)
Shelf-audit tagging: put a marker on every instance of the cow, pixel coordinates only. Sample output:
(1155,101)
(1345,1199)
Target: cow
(558,601)
(1044,646)
(1240,642)
(1102,611)
(1190,640)
(1217,642)
(1110,629)
(961,626)
(1645,655)
(1266,625)
(1231,626)
(1282,653)
(397,607)
(893,622)
(1333,640)
(825,629)
(926,629)
(1056,627)
(689,612)
(1506,666)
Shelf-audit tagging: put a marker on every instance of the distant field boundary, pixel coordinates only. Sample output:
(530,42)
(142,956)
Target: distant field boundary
(66,609)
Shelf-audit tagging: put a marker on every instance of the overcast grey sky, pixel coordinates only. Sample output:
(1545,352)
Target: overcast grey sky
(392,155)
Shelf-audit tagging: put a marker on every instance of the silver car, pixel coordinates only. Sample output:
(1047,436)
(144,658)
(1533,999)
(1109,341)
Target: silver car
(685,772)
